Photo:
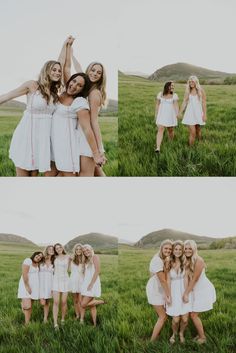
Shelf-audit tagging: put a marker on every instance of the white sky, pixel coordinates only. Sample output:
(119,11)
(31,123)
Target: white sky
(56,209)
(33,31)
(155,33)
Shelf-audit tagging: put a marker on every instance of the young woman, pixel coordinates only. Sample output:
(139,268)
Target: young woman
(97,99)
(178,282)
(77,277)
(28,289)
(166,112)
(204,294)
(195,104)
(30,144)
(46,269)
(71,115)
(158,292)
(91,287)
(60,285)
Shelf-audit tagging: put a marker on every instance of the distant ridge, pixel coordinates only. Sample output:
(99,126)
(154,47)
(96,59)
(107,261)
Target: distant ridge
(182,71)
(154,239)
(96,240)
(14,105)
(136,73)
(12,238)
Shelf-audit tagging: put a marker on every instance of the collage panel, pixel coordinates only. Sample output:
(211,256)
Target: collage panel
(58,92)
(177,89)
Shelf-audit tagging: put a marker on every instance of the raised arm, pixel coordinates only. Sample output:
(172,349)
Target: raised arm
(62,55)
(77,66)
(96,263)
(84,120)
(67,67)
(95,104)
(20,91)
(199,266)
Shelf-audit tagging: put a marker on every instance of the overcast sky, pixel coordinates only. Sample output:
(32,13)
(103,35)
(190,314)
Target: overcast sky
(156,33)
(57,209)
(32,32)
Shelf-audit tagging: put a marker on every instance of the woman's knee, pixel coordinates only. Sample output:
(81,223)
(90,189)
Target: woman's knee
(193,315)
(176,319)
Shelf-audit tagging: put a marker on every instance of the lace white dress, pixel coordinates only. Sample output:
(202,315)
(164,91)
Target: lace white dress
(33,276)
(30,144)
(193,113)
(204,294)
(61,276)
(155,292)
(76,278)
(88,275)
(45,281)
(64,135)
(167,115)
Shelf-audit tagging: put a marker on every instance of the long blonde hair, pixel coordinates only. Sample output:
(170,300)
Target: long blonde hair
(47,87)
(191,261)
(197,86)
(88,260)
(77,259)
(101,84)
(182,258)
(166,260)
(46,255)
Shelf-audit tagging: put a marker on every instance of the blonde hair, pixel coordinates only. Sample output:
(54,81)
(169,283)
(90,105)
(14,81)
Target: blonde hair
(78,259)
(101,84)
(166,260)
(191,261)
(46,255)
(47,87)
(182,258)
(88,260)
(197,86)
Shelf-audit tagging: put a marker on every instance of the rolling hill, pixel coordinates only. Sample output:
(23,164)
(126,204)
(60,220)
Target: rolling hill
(182,71)
(155,238)
(14,105)
(12,238)
(100,242)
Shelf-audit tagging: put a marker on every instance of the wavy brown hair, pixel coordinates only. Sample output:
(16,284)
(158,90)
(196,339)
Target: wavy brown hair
(182,258)
(48,88)
(78,259)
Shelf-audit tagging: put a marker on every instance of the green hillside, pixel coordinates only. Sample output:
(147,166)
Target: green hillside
(100,242)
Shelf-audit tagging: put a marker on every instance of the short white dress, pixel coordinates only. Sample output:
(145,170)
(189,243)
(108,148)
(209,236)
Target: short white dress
(193,113)
(30,144)
(154,290)
(45,281)
(64,135)
(33,276)
(167,115)
(61,276)
(204,294)
(76,278)
(88,275)
(178,307)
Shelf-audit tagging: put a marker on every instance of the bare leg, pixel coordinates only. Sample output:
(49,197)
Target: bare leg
(159,137)
(53,172)
(63,305)
(192,134)
(76,304)
(67,174)
(83,305)
(198,132)
(34,173)
(26,305)
(175,328)
(96,302)
(93,311)
(22,172)
(160,322)
(46,310)
(87,167)
(198,324)
(183,325)
(56,300)
(99,172)
(171,132)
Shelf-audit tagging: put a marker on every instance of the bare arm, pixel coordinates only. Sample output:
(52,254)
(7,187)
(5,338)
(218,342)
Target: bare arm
(67,67)
(95,104)
(20,91)
(176,106)
(184,104)
(157,106)
(25,276)
(199,266)
(204,105)
(162,278)
(96,263)
(77,66)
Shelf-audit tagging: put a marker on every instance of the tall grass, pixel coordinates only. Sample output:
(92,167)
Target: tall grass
(214,155)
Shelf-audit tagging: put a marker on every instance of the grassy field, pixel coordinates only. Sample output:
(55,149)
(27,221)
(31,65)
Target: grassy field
(214,155)
(41,338)
(137,317)
(9,119)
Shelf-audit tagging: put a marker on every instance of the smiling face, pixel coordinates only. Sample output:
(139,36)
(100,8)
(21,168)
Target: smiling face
(38,258)
(95,73)
(188,251)
(192,84)
(78,251)
(59,249)
(171,88)
(166,250)
(178,250)
(87,251)
(75,86)
(50,250)
(55,73)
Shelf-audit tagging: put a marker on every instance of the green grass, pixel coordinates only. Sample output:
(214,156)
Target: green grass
(214,155)
(137,318)
(41,338)
(9,119)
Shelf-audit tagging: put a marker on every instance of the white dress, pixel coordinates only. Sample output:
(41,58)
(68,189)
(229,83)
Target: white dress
(33,276)
(61,276)
(204,294)
(178,307)
(45,281)
(64,135)
(30,144)
(76,278)
(167,115)
(155,292)
(193,113)
(96,289)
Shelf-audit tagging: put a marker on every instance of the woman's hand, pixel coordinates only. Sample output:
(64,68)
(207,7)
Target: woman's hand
(168,300)
(28,289)
(90,287)
(185,298)
(204,118)
(99,159)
